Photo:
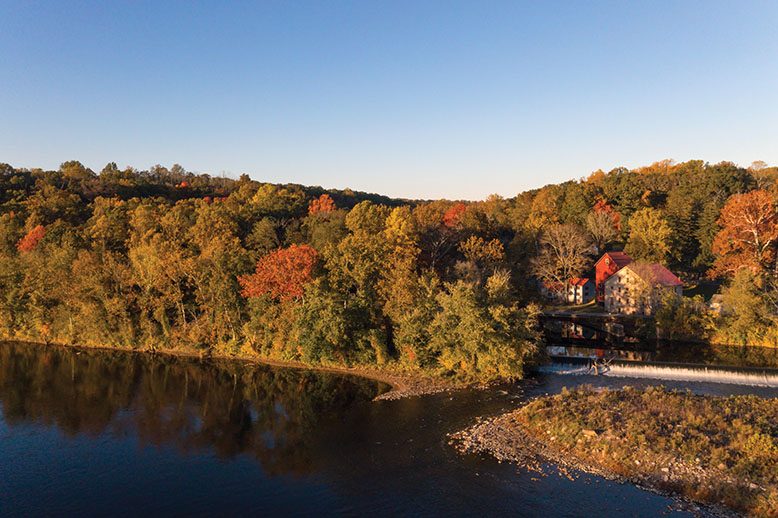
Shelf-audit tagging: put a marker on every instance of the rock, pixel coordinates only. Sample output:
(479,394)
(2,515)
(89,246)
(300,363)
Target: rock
(589,433)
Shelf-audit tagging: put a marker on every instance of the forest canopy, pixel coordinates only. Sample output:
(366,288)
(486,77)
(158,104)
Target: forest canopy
(167,259)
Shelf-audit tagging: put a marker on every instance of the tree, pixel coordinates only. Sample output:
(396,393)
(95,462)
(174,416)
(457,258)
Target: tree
(282,274)
(545,207)
(564,254)
(603,224)
(482,252)
(30,241)
(323,204)
(746,315)
(479,338)
(481,258)
(453,216)
(601,229)
(683,318)
(682,212)
(748,235)
(649,236)
(263,237)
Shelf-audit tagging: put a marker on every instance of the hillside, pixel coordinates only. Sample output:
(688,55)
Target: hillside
(166,259)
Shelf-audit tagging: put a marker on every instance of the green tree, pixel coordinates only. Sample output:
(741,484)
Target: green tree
(746,315)
(649,236)
(480,339)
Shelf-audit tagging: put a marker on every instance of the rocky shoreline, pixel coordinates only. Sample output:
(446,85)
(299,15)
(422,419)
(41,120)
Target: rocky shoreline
(506,438)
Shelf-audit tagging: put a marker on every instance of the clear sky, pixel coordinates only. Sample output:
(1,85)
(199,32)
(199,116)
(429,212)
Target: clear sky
(415,99)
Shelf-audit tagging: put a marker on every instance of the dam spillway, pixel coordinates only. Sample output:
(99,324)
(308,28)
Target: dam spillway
(754,376)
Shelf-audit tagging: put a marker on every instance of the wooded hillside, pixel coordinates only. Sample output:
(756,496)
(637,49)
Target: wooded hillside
(166,259)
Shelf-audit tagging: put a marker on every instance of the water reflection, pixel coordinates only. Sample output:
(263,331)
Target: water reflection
(75,431)
(226,407)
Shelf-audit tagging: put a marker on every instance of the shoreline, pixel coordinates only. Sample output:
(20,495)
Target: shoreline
(402,384)
(526,452)
(591,431)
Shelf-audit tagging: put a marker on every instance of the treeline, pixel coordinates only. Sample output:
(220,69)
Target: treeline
(166,259)
(224,266)
(714,225)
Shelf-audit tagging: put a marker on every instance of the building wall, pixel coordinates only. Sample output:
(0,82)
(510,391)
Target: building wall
(602,272)
(580,294)
(620,294)
(627,294)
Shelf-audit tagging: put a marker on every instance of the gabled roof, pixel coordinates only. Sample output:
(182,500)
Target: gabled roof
(578,281)
(620,258)
(654,274)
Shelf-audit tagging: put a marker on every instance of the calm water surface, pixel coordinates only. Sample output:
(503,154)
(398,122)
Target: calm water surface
(117,434)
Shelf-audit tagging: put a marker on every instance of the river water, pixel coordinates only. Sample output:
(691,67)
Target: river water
(95,433)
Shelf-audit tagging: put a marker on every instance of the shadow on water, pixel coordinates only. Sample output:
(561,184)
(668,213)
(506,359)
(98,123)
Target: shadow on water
(121,434)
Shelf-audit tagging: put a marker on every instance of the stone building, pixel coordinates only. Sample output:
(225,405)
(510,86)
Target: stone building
(637,288)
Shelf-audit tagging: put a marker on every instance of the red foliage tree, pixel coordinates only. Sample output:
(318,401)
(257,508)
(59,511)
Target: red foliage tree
(453,216)
(321,205)
(29,242)
(604,207)
(281,274)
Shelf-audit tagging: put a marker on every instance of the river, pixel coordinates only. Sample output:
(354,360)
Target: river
(101,433)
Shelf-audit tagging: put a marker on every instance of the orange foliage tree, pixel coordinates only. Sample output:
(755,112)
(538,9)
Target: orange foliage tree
(321,205)
(29,242)
(748,235)
(453,216)
(282,274)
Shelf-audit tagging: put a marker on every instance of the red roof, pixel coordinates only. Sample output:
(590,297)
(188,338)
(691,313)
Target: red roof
(578,281)
(552,286)
(655,273)
(620,258)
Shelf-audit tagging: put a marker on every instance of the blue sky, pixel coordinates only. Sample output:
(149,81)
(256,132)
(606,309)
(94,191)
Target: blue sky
(415,99)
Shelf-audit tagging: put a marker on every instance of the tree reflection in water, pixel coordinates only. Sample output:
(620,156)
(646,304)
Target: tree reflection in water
(228,407)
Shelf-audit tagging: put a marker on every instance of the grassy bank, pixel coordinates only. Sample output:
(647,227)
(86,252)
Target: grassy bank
(720,450)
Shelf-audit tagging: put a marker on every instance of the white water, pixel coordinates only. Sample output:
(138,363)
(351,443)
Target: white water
(671,373)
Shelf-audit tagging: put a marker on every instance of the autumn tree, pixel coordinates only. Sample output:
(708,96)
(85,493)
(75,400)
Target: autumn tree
(649,236)
(747,239)
(439,229)
(325,224)
(603,224)
(545,207)
(323,204)
(565,252)
(30,241)
(282,274)
(482,258)
(453,216)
